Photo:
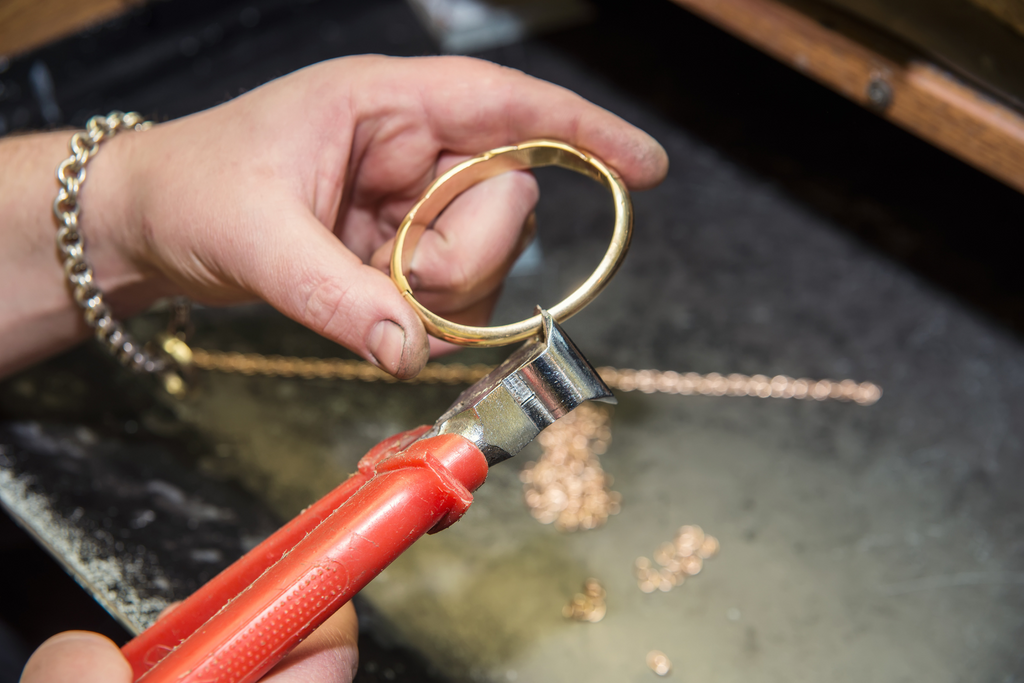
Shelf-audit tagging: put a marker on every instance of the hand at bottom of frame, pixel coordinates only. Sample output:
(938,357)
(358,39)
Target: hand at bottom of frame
(327,656)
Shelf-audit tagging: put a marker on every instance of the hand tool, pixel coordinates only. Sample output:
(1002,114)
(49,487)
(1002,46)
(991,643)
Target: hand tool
(240,624)
(246,619)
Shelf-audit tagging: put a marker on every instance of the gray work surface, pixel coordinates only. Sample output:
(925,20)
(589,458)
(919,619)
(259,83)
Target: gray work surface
(881,543)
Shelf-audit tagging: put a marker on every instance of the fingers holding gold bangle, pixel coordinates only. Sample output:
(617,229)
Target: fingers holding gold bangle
(440,193)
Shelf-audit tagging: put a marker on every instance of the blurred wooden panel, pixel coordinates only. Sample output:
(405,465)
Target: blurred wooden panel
(957,35)
(882,74)
(1009,11)
(26,24)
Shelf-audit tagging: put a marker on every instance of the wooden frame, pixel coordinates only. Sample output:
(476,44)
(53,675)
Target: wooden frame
(881,74)
(27,24)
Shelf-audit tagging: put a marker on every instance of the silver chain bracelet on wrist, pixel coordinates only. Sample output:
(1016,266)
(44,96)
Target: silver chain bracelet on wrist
(164,361)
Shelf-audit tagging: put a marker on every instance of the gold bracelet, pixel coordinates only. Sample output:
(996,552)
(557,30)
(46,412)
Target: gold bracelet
(442,191)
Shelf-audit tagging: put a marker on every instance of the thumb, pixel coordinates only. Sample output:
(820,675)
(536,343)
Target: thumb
(309,275)
(77,657)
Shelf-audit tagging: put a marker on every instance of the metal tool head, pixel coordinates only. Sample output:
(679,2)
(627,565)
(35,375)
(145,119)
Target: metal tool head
(546,378)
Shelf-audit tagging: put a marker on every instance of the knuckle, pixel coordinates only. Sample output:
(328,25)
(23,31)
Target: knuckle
(525,189)
(446,274)
(460,280)
(327,307)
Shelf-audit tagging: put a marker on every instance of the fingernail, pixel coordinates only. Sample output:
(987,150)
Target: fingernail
(386,342)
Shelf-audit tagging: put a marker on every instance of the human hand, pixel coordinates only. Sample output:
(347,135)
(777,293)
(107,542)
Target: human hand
(328,656)
(292,193)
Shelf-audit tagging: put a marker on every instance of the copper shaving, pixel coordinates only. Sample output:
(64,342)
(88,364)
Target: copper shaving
(659,663)
(588,605)
(566,486)
(678,559)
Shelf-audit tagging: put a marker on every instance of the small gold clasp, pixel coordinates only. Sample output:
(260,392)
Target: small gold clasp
(180,353)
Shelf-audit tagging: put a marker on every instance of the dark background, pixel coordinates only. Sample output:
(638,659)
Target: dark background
(950,224)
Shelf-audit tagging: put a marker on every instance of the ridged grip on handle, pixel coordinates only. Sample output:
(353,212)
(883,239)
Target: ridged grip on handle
(150,646)
(422,489)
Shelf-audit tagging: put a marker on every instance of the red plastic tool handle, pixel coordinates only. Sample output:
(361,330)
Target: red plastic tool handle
(154,643)
(424,488)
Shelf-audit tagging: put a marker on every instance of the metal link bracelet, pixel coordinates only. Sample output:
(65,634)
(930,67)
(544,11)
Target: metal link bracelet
(71,175)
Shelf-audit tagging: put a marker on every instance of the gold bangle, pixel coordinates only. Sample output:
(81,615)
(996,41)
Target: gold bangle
(443,190)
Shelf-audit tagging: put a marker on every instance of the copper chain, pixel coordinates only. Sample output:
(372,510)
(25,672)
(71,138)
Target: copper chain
(620,379)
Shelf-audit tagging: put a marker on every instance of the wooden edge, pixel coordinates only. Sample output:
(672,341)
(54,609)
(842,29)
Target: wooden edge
(882,75)
(28,24)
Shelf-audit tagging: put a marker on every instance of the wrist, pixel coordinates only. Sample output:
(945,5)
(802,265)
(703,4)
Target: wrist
(112,225)
(46,319)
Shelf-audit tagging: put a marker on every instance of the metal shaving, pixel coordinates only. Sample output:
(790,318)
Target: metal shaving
(680,558)
(567,486)
(659,663)
(588,605)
